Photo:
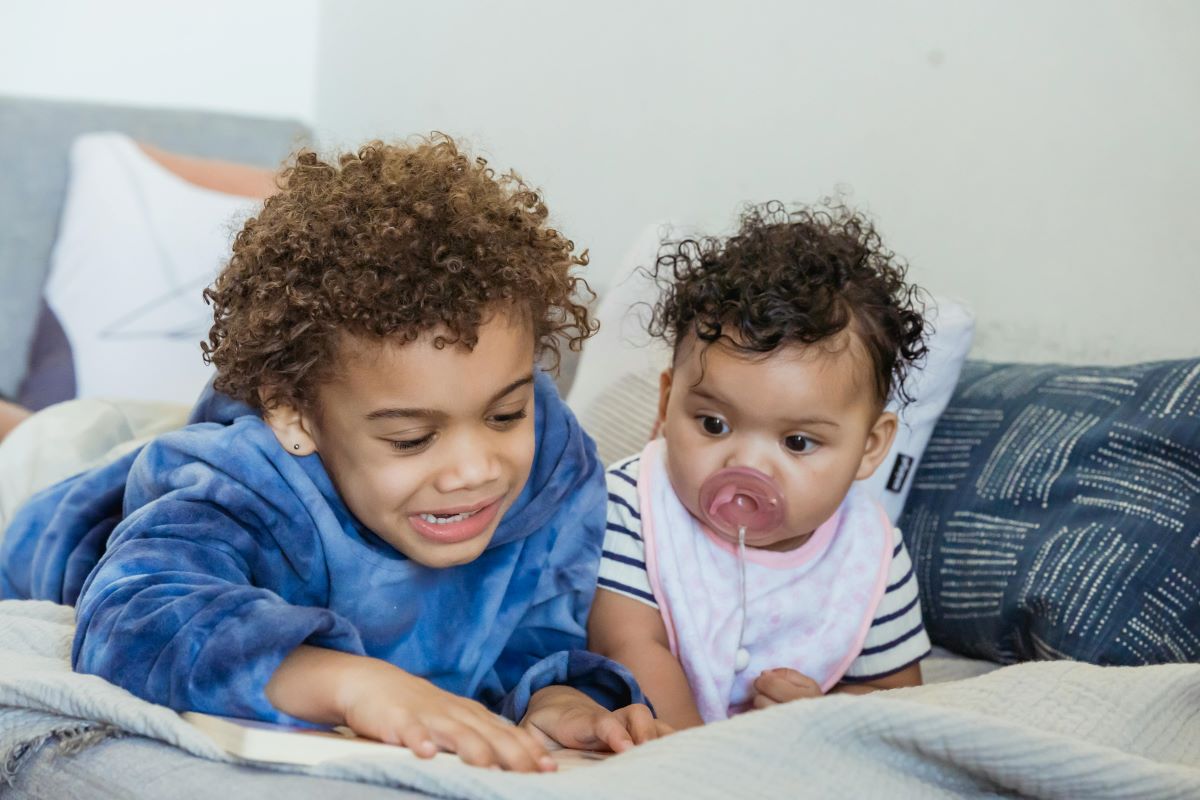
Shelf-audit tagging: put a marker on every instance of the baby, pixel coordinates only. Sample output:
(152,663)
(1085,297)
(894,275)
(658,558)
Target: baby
(743,566)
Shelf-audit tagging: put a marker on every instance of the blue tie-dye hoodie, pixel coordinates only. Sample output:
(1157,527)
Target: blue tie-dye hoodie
(201,561)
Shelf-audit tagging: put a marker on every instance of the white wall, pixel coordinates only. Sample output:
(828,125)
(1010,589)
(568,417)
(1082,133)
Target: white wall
(1038,159)
(252,57)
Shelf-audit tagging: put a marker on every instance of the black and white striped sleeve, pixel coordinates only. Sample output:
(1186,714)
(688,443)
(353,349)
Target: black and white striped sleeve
(623,562)
(897,638)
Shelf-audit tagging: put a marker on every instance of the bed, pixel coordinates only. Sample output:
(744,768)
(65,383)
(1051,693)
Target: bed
(1049,726)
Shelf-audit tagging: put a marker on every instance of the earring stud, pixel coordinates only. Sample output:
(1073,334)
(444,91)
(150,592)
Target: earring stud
(296,446)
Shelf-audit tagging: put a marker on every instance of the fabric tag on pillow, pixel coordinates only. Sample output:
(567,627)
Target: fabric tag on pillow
(898,479)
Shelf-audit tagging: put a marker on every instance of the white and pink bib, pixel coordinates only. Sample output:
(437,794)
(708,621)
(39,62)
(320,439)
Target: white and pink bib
(808,609)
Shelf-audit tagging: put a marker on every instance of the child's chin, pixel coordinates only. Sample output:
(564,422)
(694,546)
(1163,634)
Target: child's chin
(440,556)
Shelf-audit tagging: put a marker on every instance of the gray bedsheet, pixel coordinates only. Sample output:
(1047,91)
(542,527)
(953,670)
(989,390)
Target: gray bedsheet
(140,767)
(1049,729)
(136,767)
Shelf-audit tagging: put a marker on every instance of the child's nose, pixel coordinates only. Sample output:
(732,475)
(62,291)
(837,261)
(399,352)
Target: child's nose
(470,464)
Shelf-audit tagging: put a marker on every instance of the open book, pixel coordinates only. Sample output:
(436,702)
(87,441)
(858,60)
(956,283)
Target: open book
(285,744)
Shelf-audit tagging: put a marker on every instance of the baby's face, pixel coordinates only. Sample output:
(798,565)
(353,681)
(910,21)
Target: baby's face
(808,417)
(430,447)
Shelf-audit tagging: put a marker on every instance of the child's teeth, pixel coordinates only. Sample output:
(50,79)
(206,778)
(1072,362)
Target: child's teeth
(436,520)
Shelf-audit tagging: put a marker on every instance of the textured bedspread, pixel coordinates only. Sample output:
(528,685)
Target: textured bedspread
(1048,729)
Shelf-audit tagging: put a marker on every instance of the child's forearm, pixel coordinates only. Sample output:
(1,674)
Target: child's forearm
(309,683)
(662,680)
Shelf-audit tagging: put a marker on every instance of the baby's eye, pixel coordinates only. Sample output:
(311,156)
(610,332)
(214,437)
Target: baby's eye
(713,426)
(797,443)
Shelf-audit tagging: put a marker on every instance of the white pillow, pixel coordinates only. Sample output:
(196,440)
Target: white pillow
(615,390)
(68,438)
(136,246)
(931,387)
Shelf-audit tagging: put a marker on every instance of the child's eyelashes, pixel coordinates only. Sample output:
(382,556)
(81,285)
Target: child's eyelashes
(410,445)
(496,421)
(502,420)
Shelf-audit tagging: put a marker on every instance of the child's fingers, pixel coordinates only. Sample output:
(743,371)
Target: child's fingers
(639,722)
(458,738)
(399,727)
(512,753)
(662,728)
(537,751)
(415,736)
(515,747)
(610,730)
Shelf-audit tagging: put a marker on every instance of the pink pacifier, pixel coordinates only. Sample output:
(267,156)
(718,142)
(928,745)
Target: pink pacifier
(734,501)
(740,500)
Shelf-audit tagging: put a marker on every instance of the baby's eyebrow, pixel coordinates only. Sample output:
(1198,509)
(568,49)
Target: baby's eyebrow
(408,413)
(805,421)
(707,394)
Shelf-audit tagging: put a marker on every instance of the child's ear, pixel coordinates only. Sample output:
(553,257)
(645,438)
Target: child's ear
(291,428)
(879,441)
(664,394)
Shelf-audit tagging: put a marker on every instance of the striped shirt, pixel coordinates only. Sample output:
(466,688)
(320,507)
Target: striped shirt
(896,639)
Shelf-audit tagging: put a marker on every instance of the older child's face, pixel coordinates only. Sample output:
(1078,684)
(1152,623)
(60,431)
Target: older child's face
(806,416)
(429,447)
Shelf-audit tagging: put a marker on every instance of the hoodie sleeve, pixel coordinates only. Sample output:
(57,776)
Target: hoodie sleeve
(600,678)
(186,608)
(548,647)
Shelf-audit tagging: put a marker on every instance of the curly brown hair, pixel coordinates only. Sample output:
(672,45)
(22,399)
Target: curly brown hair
(794,276)
(391,241)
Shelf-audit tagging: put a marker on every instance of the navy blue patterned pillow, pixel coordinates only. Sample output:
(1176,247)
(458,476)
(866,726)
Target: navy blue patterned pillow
(1056,514)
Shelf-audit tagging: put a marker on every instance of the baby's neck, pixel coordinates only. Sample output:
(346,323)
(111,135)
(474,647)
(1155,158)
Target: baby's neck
(785,545)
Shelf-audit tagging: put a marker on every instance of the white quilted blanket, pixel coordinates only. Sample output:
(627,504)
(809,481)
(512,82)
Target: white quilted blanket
(1049,729)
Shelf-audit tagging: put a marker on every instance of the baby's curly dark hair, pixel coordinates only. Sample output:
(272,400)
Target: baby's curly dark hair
(794,276)
(388,242)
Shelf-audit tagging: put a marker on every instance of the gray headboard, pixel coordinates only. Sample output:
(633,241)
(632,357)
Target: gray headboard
(35,138)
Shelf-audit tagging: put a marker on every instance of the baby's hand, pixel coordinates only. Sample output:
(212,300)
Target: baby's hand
(568,717)
(783,685)
(386,703)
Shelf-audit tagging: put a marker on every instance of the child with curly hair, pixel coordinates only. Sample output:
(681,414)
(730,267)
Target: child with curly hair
(743,566)
(383,515)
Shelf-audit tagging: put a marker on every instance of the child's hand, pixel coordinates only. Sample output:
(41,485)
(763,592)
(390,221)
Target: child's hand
(783,685)
(389,704)
(567,717)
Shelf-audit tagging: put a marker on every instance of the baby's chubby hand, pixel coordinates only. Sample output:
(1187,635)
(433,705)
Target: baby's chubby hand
(569,718)
(783,685)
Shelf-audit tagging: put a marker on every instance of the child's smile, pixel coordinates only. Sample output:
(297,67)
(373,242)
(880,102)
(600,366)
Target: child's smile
(458,524)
